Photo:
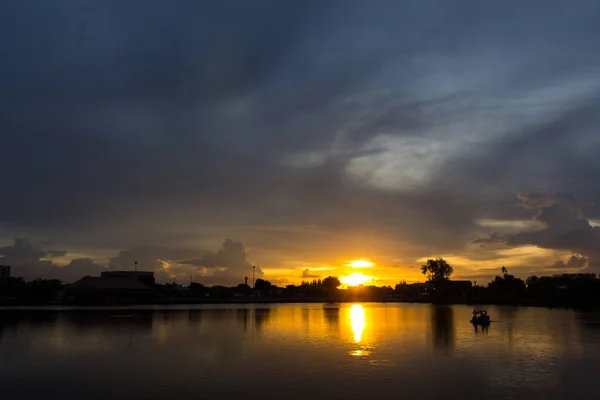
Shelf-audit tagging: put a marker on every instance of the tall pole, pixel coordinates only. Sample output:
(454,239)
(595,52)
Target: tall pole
(253,270)
(135,265)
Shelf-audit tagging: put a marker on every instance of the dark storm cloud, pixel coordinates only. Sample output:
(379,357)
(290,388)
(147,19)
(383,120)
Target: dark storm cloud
(55,253)
(493,239)
(149,257)
(23,249)
(565,228)
(146,121)
(574,262)
(29,260)
(229,265)
(231,260)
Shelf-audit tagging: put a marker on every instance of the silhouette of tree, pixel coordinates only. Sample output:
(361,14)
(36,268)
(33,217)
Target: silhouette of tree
(197,288)
(437,270)
(220,291)
(262,284)
(331,282)
(532,280)
(504,270)
(508,285)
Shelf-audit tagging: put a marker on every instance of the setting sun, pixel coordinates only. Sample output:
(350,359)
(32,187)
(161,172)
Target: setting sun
(360,264)
(355,279)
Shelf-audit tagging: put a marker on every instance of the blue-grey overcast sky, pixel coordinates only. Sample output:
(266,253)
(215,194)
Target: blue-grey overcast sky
(308,133)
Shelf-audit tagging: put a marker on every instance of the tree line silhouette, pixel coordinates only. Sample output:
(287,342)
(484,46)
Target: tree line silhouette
(568,290)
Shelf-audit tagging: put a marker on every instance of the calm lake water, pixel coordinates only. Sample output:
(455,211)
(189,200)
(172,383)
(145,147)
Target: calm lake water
(298,351)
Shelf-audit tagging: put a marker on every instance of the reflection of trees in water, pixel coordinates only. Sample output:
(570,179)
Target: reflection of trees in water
(261,317)
(442,325)
(332,317)
(507,315)
(236,318)
(588,320)
(11,320)
(195,316)
(306,318)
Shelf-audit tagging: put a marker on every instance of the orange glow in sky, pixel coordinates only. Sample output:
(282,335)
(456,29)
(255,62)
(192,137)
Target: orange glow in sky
(360,264)
(355,279)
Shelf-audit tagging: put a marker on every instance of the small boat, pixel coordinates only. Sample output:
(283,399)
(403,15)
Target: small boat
(480,317)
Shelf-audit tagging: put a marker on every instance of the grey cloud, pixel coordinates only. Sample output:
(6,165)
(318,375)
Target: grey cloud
(149,257)
(494,239)
(307,274)
(574,262)
(156,120)
(231,255)
(566,228)
(229,265)
(25,258)
(55,253)
(78,268)
(535,201)
(158,259)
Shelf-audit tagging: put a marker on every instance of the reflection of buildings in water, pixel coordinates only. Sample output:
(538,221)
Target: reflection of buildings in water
(243,317)
(108,320)
(357,321)
(122,322)
(212,333)
(306,319)
(442,326)
(507,315)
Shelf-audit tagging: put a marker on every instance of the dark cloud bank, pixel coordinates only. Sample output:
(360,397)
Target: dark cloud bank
(125,126)
(229,265)
(565,228)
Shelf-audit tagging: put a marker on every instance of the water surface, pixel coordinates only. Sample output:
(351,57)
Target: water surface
(298,351)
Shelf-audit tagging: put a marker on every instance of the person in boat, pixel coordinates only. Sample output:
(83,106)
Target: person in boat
(480,317)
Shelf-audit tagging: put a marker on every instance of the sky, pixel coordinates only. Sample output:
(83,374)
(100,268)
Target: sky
(201,138)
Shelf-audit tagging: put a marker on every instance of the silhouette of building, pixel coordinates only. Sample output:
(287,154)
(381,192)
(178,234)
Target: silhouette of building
(109,289)
(146,277)
(461,285)
(452,289)
(4,273)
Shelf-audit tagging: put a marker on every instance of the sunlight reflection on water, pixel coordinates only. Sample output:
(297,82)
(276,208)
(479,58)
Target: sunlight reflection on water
(339,351)
(357,321)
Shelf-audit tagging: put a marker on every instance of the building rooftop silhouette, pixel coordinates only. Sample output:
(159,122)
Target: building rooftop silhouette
(108,283)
